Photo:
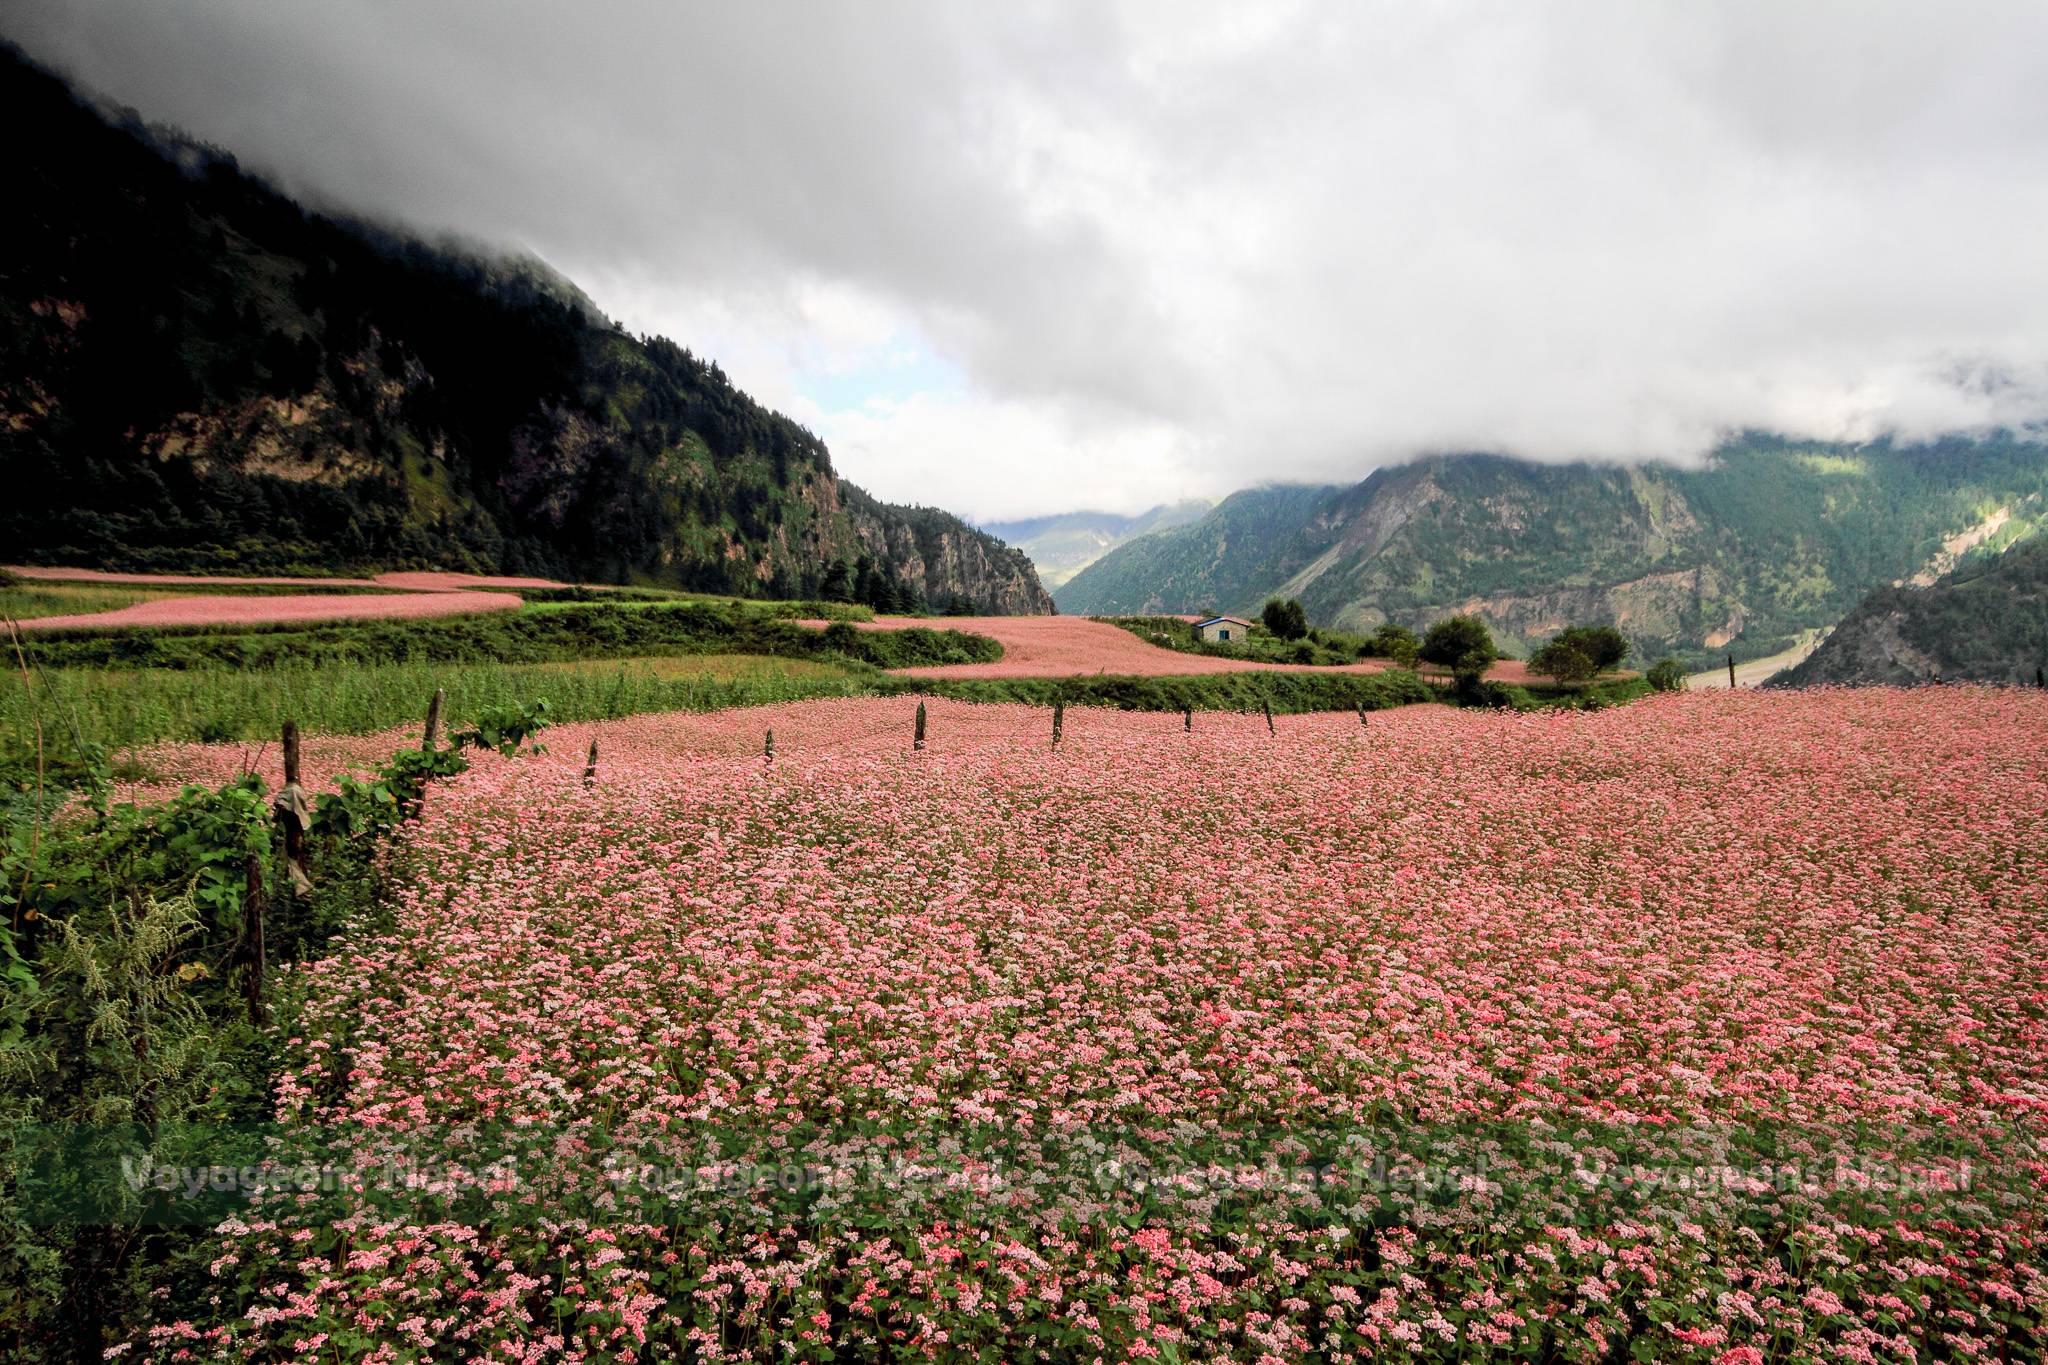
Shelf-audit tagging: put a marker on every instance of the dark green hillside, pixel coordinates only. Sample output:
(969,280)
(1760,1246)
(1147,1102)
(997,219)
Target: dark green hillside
(1220,562)
(1771,538)
(197,373)
(1984,622)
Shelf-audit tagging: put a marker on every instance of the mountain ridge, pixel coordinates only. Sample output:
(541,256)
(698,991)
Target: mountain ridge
(197,372)
(1985,620)
(1772,537)
(1062,544)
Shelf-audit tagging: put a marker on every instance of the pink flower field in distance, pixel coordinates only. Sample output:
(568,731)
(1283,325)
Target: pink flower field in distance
(409,581)
(49,574)
(1729,1009)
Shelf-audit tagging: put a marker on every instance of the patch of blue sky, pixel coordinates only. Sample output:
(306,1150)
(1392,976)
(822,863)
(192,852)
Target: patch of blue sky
(885,375)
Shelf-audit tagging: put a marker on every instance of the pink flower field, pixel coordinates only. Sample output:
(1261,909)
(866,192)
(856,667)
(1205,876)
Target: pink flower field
(412,581)
(1713,1028)
(402,595)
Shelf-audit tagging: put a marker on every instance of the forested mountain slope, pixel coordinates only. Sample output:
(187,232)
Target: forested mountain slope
(198,373)
(1770,538)
(1986,621)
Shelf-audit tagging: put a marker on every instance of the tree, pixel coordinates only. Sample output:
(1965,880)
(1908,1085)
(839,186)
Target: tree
(1604,646)
(1562,660)
(1462,643)
(1285,619)
(838,585)
(1397,643)
(1667,675)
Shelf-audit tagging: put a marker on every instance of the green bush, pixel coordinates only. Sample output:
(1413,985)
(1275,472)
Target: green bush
(1666,675)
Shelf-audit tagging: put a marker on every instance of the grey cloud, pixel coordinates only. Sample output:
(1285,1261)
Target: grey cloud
(1239,244)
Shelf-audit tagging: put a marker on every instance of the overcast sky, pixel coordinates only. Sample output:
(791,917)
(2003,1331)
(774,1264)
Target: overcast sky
(1013,258)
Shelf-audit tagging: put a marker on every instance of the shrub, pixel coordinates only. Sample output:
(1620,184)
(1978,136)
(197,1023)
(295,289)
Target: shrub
(1471,689)
(1666,675)
(1456,641)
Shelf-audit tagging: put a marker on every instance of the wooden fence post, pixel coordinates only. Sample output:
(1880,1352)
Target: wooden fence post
(433,721)
(292,814)
(768,749)
(1361,716)
(1187,719)
(1731,670)
(1059,720)
(918,741)
(252,933)
(1267,707)
(590,764)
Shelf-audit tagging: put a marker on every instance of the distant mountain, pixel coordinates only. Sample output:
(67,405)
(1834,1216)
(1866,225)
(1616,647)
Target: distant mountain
(1770,538)
(198,373)
(1062,545)
(1986,621)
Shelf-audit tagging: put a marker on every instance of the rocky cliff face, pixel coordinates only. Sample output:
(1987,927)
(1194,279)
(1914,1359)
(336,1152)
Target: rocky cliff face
(196,372)
(947,559)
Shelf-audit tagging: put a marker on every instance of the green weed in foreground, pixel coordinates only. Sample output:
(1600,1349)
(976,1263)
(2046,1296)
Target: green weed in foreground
(30,601)
(27,599)
(120,707)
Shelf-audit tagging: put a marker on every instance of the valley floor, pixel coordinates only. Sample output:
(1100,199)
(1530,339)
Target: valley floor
(1756,672)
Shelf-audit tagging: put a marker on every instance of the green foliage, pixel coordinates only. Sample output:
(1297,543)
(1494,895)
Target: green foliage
(1462,643)
(1563,661)
(115,708)
(505,728)
(1470,688)
(1287,693)
(555,632)
(1319,647)
(125,948)
(1284,619)
(1604,647)
(119,1047)
(1589,697)
(1395,642)
(1666,675)
(369,807)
